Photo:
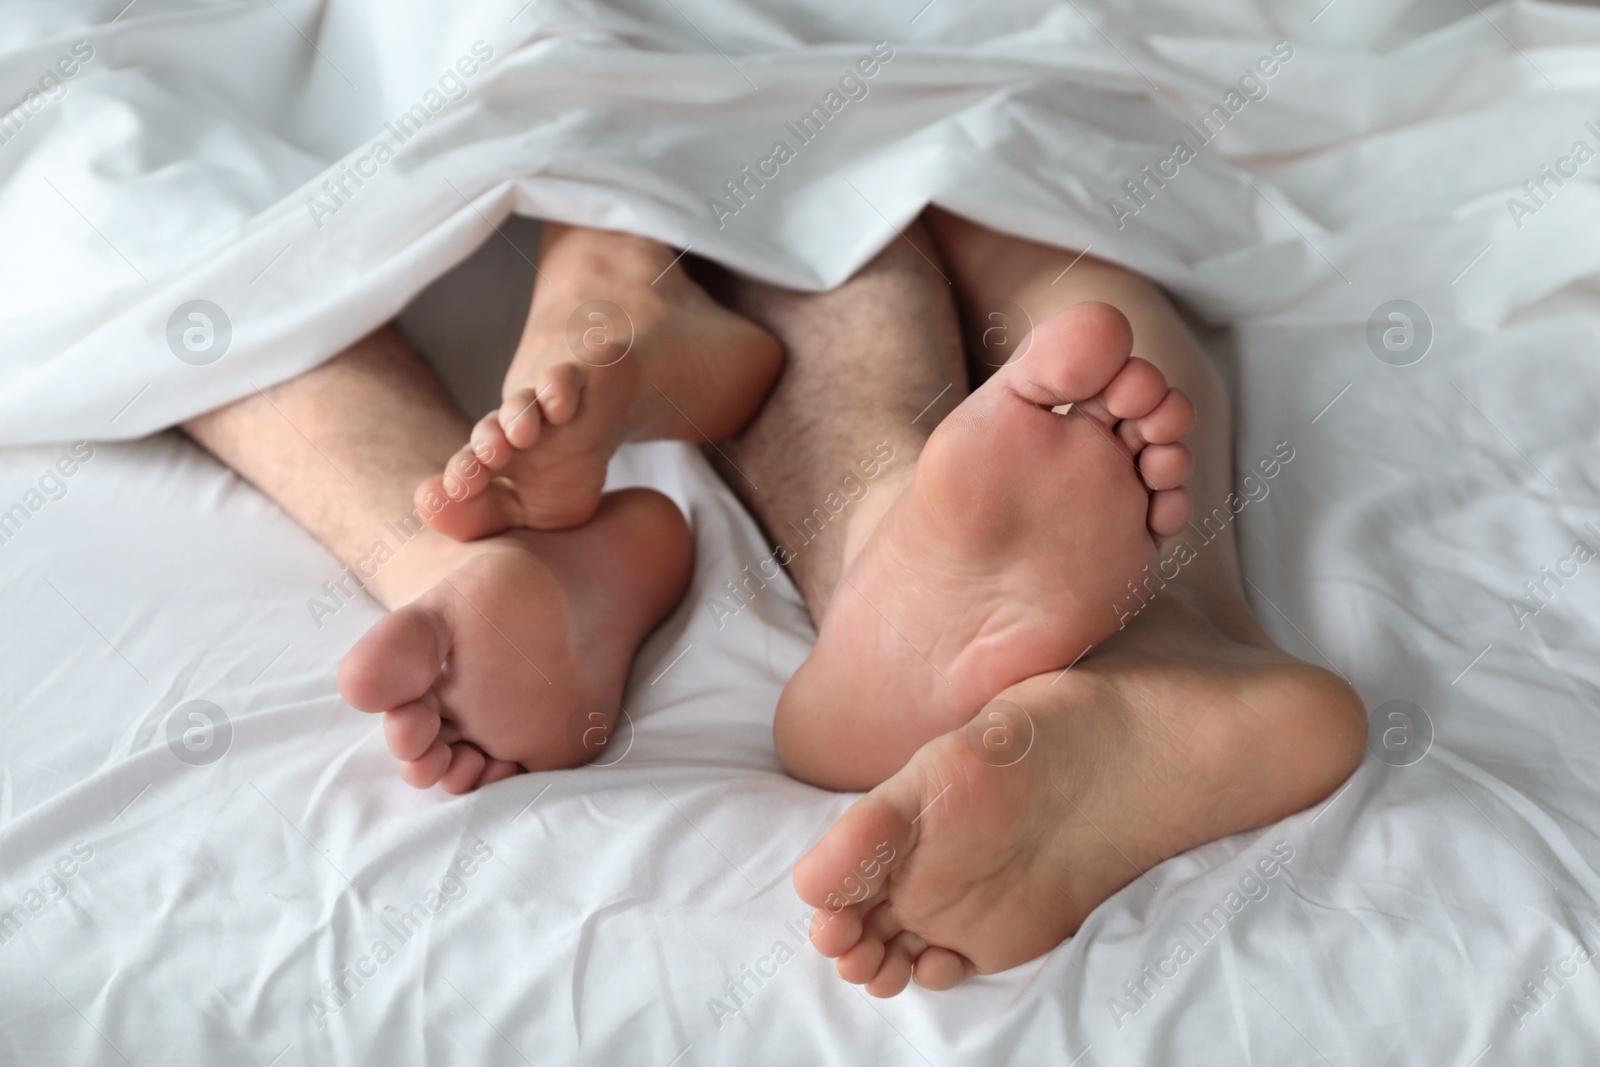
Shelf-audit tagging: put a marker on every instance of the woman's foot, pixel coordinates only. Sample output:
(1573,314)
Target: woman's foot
(519,650)
(620,345)
(1005,556)
(996,841)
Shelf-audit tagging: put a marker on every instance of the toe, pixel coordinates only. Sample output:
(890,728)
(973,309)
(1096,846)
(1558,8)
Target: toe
(497,770)
(490,511)
(939,968)
(894,974)
(834,932)
(465,476)
(1074,355)
(1165,466)
(489,442)
(1169,420)
(860,964)
(851,863)
(1169,511)
(466,765)
(1136,390)
(519,417)
(425,772)
(410,730)
(396,662)
(560,388)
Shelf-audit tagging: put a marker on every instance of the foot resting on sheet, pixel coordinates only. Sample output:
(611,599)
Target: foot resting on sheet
(519,650)
(997,840)
(620,345)
(1005,556)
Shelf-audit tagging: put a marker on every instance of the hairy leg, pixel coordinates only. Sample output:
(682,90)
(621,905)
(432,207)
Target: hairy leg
(874,365)
(341,448)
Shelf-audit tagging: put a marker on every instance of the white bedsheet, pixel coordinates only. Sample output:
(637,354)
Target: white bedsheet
(193,913)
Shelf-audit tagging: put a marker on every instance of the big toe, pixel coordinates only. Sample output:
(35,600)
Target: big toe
(396,662)
(1075,355)
(844,877)
(488,511)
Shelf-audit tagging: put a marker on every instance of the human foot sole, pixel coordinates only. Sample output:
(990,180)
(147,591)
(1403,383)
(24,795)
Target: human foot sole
(968,862)
(519,654)
(1004,557)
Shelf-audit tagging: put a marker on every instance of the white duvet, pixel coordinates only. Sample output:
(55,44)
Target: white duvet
(205,857)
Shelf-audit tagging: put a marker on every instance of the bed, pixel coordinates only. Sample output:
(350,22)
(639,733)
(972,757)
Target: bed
(206,857)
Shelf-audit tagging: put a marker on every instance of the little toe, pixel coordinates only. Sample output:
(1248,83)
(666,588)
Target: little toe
(1169,511)
(519,417)
(466,765)
(497,770)
(1136,390)
(1168,421)
(425,771)
(411,730)
(1165,466)
(939,968)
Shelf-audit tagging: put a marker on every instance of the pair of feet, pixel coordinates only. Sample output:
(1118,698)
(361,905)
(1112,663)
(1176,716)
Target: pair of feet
(515,648)
(997,566)
(1016,781)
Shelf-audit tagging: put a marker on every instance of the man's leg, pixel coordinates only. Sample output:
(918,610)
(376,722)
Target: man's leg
(341,449)
(874,366)
(1186,726)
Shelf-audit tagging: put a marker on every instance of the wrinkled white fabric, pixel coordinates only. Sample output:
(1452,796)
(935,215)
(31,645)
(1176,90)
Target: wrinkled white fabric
(1431,913)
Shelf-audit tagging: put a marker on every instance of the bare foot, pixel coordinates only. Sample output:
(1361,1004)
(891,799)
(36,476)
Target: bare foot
(620,345)
(1005,556)
(1171,735)
(519,653)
